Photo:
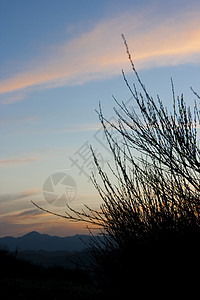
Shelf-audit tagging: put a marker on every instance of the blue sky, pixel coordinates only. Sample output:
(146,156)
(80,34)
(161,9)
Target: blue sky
(58,60)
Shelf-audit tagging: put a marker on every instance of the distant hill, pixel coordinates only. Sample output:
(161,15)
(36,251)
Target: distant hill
(66,259)
(36,241)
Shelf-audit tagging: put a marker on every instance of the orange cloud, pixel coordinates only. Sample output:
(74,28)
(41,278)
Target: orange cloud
(6,162)
(100,53)
(24,221)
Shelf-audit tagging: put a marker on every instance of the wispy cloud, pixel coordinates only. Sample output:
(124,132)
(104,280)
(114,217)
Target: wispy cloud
(99,53)
(31,213)
(12,97)
(28,119)
(24,221)
(7,162)
(18,196)
(85,127)
(11,226)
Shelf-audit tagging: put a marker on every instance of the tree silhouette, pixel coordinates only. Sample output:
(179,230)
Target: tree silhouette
(150,215)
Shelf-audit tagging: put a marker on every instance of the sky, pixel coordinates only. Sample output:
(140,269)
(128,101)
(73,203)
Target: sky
(58,59)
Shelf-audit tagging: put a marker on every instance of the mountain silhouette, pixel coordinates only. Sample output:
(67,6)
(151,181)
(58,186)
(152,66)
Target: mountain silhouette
(36,241)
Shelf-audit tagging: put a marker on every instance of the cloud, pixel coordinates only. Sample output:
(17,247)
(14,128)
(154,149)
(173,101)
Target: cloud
(85,127)
(11,226)
(26,220)
(7,162)
(30,213)
(17,119)
(12,97)
(99,53)
(19,196)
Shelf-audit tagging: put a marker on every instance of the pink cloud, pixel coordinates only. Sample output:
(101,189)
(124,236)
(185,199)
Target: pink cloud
(100,53)
(7,162)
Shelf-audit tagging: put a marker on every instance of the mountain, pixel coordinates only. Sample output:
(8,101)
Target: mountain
(36,241)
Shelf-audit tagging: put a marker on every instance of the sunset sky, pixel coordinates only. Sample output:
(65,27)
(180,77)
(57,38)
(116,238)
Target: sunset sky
(58,59)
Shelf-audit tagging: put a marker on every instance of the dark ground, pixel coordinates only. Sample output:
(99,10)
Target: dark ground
(22,280)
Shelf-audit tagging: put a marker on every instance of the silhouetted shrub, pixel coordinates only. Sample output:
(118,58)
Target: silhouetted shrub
(150,215)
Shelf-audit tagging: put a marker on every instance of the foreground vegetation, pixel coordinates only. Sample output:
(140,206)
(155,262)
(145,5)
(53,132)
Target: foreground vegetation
(150,212)
(21,279)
